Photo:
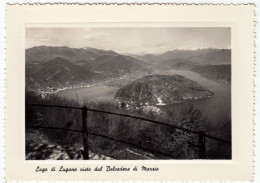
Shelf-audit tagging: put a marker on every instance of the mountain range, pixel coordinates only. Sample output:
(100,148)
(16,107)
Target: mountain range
(79,55)
(220,73)
(69,66)
(199,56)
(40,54)
(58,73)
(63,66)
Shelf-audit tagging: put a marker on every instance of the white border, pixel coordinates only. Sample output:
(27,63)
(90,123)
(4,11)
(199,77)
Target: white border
(207,1)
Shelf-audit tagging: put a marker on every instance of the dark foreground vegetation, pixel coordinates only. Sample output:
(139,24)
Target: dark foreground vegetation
(176,143)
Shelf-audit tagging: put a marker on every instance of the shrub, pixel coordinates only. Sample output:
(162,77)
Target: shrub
(176,143)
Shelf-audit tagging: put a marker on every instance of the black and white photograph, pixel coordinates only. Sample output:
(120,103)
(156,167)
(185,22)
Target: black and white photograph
(128,93)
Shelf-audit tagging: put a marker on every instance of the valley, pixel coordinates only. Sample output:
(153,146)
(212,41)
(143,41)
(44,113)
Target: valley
(209,106)
(128,92)
(99,75)
(186,88)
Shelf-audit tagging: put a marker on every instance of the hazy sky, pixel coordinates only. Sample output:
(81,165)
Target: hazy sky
(130,40)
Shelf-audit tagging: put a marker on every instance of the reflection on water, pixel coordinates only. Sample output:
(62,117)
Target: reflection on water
(97,92)
(215,108)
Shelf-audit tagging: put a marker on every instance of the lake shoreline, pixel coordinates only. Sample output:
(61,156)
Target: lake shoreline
(215,108)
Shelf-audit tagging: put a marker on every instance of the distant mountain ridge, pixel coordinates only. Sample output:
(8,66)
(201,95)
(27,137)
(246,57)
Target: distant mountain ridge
(64,66)
(202,56)
(109,62)
(58,73)
(46,53)
(119,65)
(72,67)
(220,73)
(199,56)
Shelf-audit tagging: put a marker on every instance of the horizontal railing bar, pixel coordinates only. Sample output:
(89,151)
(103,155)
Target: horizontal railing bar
(45,105)
(135,117)
(132,144)
(217,139)
(149,120)
(124,115)
(55,128)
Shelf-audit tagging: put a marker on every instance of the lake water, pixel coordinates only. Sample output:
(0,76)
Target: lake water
(215,108)
(99,92)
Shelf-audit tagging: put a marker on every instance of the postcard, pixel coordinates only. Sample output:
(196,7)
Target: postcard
(157,92)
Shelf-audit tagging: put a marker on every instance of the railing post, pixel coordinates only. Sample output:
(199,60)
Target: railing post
(202,148)
(85,132)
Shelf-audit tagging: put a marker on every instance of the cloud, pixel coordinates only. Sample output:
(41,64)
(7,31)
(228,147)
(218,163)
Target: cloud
(131,40)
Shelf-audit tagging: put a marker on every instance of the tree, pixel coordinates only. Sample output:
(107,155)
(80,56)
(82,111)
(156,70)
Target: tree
(185,142)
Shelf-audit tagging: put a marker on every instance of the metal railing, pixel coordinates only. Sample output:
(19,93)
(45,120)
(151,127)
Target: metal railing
(201,134)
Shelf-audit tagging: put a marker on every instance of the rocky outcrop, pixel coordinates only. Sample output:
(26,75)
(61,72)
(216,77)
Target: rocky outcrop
(161,90)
